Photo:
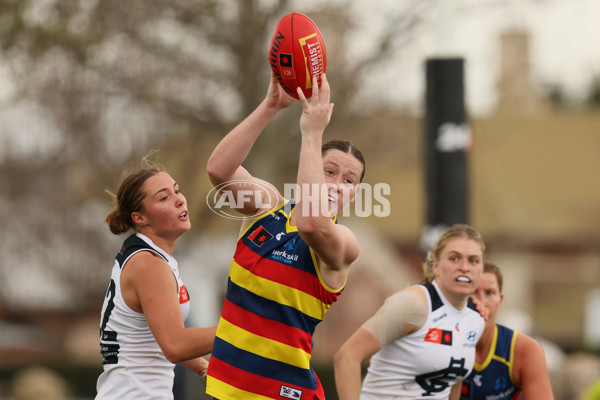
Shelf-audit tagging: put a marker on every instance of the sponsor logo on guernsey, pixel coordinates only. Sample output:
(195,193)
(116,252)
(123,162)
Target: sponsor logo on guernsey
(500,396)
(283,256)
(466,391)
(500,383)
(436,319)
(184,297)
(439,336)
(260,236)
(290,244)
(290,393)
(471,339)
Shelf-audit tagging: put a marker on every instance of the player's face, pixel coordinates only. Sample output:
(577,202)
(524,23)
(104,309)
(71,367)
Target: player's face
(488,294)
(342,175)
(164,207)
(459,267)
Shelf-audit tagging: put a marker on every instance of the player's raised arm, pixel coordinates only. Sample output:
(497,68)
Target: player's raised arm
(327,182)
(225,162)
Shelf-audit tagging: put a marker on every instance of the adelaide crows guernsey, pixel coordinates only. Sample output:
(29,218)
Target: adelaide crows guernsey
(493,378)
(426,363)
(275,299)
(134,365)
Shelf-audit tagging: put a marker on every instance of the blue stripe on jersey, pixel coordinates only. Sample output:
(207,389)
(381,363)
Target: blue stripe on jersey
(503,342)
(436,301)
(494,380)
(471,305)
(264,366)
(270,309)
(132,244)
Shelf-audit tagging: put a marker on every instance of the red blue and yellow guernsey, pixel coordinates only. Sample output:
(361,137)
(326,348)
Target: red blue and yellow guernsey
(493,379)
(275,299)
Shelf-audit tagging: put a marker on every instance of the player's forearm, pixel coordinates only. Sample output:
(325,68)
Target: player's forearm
(312,205)
(197,365)
(347,378)
(188,343)
(455,391)
(233,149)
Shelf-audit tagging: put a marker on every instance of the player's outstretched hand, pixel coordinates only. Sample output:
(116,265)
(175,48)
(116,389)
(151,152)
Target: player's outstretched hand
(316,114)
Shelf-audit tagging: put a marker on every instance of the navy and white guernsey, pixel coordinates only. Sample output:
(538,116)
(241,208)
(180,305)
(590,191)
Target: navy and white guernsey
(425,364)
(134,365)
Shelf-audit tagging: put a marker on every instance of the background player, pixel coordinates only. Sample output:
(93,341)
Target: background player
(421,342)
(507,363)
(142,332)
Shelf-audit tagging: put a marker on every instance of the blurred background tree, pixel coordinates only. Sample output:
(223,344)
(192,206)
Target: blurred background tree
(92,85)
(89,86)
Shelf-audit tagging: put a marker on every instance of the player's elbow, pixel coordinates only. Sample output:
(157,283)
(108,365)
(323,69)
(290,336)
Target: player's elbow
(174,354)
(307,227)
(342,357)
(313,226)
(214,172)
(338,358)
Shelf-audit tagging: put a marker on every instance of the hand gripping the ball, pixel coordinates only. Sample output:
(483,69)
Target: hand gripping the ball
(277,98)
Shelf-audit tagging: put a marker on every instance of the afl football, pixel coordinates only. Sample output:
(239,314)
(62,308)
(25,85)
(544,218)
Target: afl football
(297,53)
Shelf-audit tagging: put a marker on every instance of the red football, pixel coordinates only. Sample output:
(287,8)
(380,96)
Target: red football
(297,53)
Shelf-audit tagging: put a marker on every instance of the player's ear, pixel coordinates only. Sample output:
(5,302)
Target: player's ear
(434,267)
(139,219)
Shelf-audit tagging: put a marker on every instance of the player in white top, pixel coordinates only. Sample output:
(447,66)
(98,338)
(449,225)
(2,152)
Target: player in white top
(142,331)
(421,342)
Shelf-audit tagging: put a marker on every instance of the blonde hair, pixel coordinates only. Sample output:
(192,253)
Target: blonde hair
(130,194)
(455,231)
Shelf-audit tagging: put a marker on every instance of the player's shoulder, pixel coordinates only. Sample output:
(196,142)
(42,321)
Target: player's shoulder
(527,346)
(414,296)
(145,261)
(419,290)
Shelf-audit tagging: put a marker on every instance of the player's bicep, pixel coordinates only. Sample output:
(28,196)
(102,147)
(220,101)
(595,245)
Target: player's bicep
(534,379)
(336,246)
(246,194)
(156,288)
